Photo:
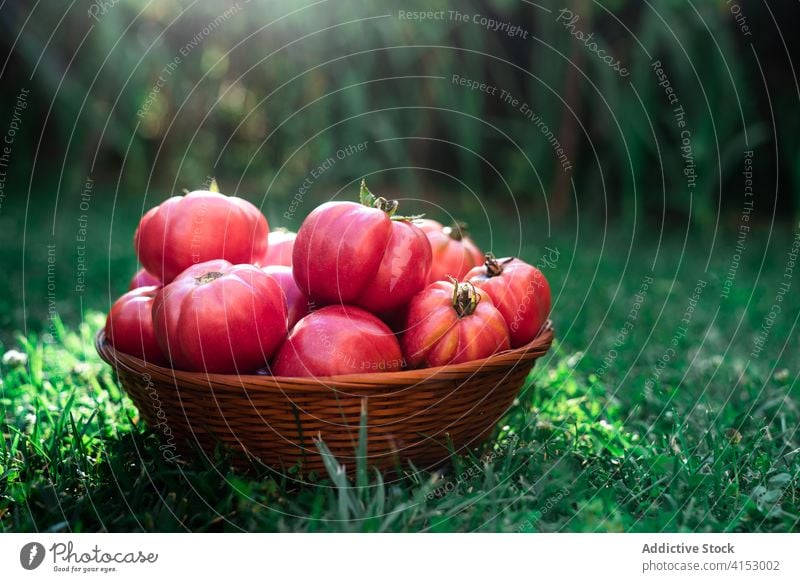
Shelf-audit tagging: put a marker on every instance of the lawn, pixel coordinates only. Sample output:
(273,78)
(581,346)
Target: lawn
(660,408)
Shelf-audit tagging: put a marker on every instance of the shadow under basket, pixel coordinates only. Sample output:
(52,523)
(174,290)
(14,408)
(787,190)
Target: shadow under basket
(412,415)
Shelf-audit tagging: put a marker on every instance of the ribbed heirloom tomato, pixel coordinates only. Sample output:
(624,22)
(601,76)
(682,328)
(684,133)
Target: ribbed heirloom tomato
(129,326)
(361,254)
(451,323)
(219,317)
(279,247)
(143,279)
(201,226)
(338,340)
(454,253)
(296,302)
(521,293)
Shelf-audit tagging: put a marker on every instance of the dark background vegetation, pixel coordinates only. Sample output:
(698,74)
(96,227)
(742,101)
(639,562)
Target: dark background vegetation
(280,86)
(340,62)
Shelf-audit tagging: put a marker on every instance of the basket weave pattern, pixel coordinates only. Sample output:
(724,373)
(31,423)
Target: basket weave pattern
(411,414)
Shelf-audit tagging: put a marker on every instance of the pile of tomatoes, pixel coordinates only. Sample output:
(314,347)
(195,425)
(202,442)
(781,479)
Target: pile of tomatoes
(358,289)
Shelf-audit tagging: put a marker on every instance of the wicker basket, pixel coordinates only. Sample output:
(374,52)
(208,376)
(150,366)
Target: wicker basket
(412,415)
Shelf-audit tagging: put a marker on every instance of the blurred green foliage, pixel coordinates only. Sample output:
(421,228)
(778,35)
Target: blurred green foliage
(152,97)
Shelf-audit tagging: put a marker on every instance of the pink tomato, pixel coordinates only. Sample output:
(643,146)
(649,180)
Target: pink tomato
(454,253)
(338,340)
(221,318)
(143,279)
(451,323)
(201,226)
(129,326)
(521,293)
(361,254)
(279,248)
(296,303)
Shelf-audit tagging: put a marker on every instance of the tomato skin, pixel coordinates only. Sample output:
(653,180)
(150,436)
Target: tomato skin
(436,336)
(521,293)
(296,303)
(337,251)
(403,271)
(129,326)
(201,226)
(231,321)
(452,256)
(352,254)
(279,248)
(338,340)
(143,279)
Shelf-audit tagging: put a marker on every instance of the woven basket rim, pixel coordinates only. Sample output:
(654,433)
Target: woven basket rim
(534,349)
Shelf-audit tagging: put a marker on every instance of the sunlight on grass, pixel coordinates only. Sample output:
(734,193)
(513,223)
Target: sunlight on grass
(567,457)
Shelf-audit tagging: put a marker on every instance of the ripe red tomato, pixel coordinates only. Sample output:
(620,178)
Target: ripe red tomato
(129,326)
(279,247)
(337,340)
(521,293)
(143,279)
(454,253)
(357,254)
(296,303)
(201,226)
(221,318)
(451,323)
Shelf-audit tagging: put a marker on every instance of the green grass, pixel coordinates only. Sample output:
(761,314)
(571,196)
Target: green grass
(711,445)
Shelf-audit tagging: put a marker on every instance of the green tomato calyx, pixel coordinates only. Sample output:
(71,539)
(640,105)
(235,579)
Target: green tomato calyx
(367,198)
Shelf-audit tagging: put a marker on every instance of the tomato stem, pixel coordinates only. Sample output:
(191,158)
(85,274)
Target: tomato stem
(465,297)
(457,231)
(388,206)
(494,268)
(367,198)
(208,277)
